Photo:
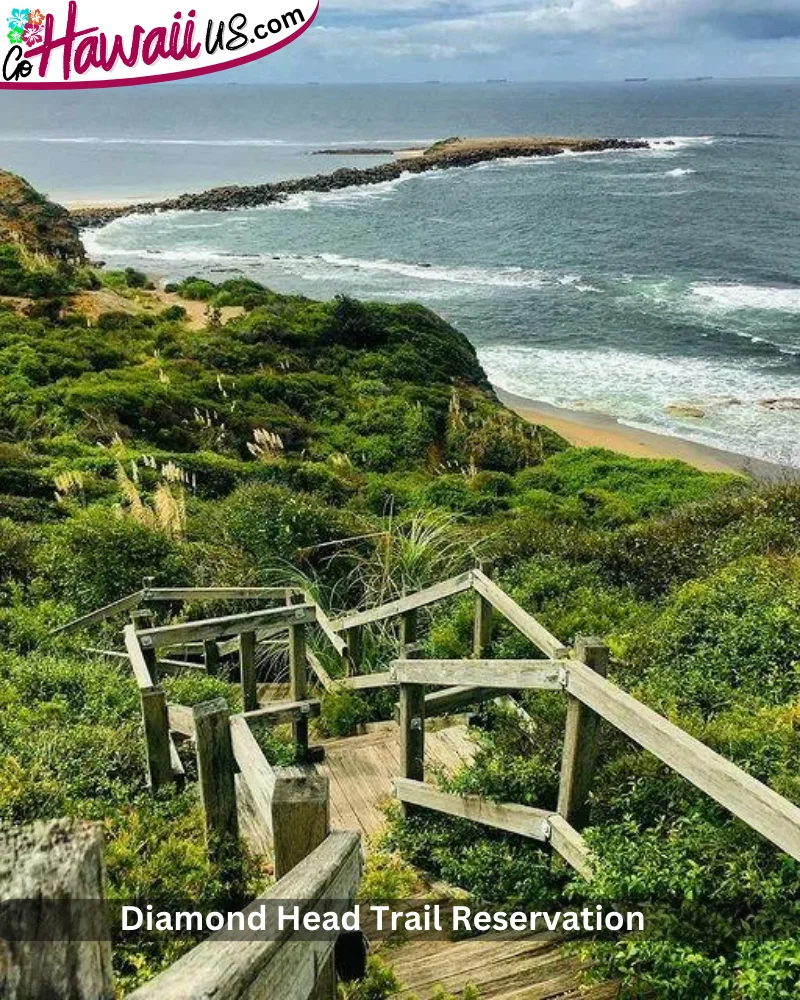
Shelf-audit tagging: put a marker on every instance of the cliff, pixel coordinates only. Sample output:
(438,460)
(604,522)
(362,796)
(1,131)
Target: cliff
(30,220)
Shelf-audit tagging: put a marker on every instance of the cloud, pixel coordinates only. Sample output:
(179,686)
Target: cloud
(528,33)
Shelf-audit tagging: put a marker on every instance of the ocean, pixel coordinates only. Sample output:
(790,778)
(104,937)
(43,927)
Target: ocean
(661,287)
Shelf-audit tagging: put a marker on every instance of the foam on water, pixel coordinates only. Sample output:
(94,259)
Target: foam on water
(649,391)
(733,297)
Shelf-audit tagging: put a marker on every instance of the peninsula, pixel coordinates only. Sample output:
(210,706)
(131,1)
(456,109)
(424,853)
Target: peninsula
(449,153)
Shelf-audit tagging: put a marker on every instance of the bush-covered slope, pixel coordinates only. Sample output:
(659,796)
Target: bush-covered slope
(358,446)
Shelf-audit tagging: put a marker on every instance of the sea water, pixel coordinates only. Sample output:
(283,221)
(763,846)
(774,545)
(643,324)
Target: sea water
(661,287)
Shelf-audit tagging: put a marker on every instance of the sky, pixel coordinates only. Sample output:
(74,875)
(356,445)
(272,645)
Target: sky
(468,40)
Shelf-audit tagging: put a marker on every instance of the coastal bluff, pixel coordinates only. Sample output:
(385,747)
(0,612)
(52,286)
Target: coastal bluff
(443,155)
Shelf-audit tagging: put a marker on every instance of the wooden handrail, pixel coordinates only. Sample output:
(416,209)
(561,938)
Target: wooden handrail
(230,625)
(274,963)
(536,824)
(423,598)
(757,805)
(506,675)
(123,604)
(525,623)
(215,593)
(141,671)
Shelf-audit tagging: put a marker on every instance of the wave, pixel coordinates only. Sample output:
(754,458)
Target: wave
(676,143)
(647,392)
(732,297)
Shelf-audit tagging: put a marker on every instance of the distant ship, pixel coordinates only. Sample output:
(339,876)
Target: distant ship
(500,80)
(637,79)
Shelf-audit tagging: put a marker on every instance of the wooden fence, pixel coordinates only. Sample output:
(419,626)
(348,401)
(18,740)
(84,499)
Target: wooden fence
(285,811)
(580,674)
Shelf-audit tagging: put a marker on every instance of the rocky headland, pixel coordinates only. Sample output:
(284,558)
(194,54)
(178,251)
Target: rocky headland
(441,156)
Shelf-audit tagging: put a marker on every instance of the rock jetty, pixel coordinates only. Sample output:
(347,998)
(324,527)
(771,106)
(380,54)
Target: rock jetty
(441,156)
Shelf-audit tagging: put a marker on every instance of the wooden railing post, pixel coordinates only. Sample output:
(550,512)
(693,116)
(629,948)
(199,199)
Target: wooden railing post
(300,816)
(156,737)
(412,731)
(579,759)
(408,634)
(298,677)
(354,637)
(211,656)
(215,766)
(483,616)
(300,823)
(247,665)
(54,873)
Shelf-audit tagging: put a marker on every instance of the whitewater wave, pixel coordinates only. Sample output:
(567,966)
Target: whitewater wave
(732,297)
(676,143)
(646,388)
(680,172)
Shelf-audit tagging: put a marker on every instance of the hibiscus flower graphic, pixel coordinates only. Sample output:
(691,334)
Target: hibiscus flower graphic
(15,36)
(36,17)
(32,34)
(19,18)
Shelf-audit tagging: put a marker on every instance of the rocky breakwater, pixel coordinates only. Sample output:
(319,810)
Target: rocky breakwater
(441,156)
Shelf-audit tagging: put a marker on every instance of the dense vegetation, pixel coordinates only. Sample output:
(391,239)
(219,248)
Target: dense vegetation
(358,446)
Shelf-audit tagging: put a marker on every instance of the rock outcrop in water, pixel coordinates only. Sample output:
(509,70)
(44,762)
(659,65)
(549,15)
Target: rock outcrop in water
(441,156)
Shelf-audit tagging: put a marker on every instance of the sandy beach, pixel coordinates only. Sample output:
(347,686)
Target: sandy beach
(596,430)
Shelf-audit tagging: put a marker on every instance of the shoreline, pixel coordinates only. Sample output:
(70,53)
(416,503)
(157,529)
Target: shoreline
(585,429)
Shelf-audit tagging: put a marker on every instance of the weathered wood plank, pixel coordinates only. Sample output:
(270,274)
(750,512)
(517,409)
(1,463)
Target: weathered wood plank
(211,657)
(523,820)
(68,951)
(112,654)
(505,675)
(482,626)
(566,840)
(247,667)
(454,698)
(298,679)
(430,595)
(141,671)
(214,593)
(412,731)
(518,617)
(232,625)
(367,682)
(579,757)
(300,816)
(354,640)
(256,773)
(181,720)
(263,635)
(118,607)
(215,766)
(322,674)
(408,633)
(156,737)
(281,712)
(326,627)
(178,770)
(177,666)
(273,964)
(754,803)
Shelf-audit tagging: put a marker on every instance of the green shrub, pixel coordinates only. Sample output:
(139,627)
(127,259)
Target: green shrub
(97,557)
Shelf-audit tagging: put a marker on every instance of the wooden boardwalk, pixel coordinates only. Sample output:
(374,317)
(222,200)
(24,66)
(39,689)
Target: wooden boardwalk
(520,967)
(361,770)
(523,967)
